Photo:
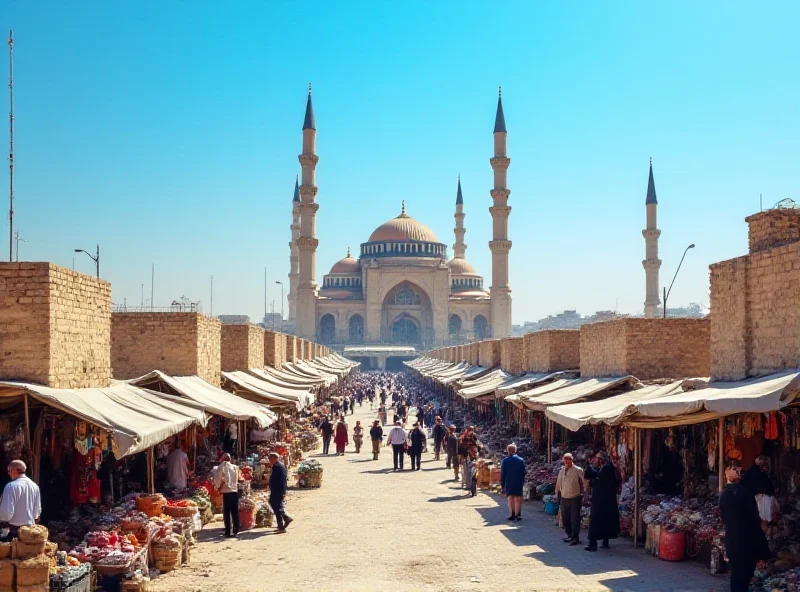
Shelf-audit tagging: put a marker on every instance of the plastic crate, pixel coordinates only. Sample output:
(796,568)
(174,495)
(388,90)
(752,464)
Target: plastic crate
(82,584)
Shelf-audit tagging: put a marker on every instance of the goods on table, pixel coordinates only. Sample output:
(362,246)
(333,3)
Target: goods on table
(309,473)
(151,505)
(167,547)
(180,508)
(68,572)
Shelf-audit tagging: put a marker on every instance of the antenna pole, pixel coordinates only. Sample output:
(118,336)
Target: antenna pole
(11,143)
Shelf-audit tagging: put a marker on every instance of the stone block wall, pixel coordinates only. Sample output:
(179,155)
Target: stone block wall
(553,350)
(242,347)
(274,349)
(291,348)
(177,343)
(489,353)
(55,326)
(472,356)
(773,228)
(755,318)
(646,348)
(512,355)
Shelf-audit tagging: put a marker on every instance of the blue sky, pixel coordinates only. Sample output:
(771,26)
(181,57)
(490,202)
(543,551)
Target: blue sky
(169,131)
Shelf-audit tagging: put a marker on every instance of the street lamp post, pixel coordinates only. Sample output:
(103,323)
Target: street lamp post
(281,283)
(95,258)
(666,292)
(18,240)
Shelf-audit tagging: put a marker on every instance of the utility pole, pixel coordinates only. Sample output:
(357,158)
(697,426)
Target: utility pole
(265,296)
(211,312)
(11,146)
(141,307)
(18,240)
(152,284)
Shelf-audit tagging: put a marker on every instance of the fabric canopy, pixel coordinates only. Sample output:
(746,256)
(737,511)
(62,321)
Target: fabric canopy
(291,380)
(260,391)
(610,411)
(136,419)
(211,398)
(757,395)
(583,388)
(521,399)
(297,392)
(485,385)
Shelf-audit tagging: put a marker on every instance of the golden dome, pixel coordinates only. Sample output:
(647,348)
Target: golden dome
(347,265)
(403,228)
(461,267)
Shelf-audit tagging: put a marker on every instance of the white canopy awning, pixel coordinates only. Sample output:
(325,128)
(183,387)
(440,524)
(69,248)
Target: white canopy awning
(260,391)
(136,419)
(211,398)
(757,395)
(611,411)
(485,385)
(583,388)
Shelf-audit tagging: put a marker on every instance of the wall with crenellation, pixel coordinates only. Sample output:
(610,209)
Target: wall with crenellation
(55,326)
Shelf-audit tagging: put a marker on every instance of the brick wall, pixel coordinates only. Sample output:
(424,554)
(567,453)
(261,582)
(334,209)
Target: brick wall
(273,352)
(55,326)
(729,360)
(472,355)
(773,228)
(646,348)
(242,347)
(489,353)
(291,348)
(177,343)
(512,355)
(553,350)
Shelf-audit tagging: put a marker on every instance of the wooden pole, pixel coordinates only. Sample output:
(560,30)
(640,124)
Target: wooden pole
(721,447)
(27,425)
(636,470)
(549,441)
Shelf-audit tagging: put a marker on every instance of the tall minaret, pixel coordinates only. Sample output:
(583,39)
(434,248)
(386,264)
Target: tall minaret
(459,247)
(294,257)
(307,241)
(500,292)
(651,263)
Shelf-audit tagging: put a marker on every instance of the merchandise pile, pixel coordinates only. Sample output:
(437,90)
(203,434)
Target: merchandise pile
(309,473)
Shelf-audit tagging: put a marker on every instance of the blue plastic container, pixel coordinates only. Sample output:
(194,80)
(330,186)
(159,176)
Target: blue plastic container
(551,508)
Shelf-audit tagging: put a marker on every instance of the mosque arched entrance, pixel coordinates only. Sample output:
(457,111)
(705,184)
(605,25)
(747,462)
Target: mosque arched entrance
(406,315)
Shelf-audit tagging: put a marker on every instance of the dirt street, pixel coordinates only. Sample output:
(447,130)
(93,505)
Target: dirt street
(369,528)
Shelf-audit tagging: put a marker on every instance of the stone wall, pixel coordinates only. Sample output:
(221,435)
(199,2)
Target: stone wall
(55,326)
(512,355)
(291,348)
(473,353)
(646,348)
(773,228)
(489,353)
(553,350)
(242,347)
(755,318)
(274,349)
(177,343)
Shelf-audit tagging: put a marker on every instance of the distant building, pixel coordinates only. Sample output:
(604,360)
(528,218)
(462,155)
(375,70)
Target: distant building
(272,322)
(234,319)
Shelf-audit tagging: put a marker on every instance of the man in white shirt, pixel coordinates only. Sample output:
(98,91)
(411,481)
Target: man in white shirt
(397,438)
(226,479)
(22,503)
(178,468)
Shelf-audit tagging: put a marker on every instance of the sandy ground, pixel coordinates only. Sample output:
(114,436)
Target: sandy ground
(369,528)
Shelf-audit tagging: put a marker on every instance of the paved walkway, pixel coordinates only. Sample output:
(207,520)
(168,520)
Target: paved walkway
(369,528)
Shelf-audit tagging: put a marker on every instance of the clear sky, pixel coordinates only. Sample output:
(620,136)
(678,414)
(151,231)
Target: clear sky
(169,131)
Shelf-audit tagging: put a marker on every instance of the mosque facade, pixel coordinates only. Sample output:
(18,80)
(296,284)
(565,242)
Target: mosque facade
(399,288)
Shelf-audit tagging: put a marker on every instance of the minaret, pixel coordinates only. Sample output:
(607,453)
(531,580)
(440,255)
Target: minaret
(651,263)
(294,257)
(459,247)
(500,292)
(307,241)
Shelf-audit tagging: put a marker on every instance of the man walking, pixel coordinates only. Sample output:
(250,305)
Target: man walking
(512,478)
(327,431)
(397,439)
(439,434)
(416,438)
(466,442)
(22,502)
(226,480)
(451,449)
(277,492)
(570,486)
(376,435)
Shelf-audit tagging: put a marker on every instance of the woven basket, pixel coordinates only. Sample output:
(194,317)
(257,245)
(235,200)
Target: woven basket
(35,533)
(165,566)
(33,572)
(8,573)
(176,512)
(20,550)
(140,585)
(151,504)
(5,550)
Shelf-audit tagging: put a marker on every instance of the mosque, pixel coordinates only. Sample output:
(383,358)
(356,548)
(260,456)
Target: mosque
(400,288)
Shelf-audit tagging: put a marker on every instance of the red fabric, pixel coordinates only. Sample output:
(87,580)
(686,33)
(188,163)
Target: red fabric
(341,435)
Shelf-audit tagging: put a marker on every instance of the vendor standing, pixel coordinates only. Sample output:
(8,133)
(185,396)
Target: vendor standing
(178,467)
(231,437)
(22,502)
(604,513)
(226,480)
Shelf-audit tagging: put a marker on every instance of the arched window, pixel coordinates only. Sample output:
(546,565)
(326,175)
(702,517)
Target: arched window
(479,327)
(407,296)
(356,329)
(454,325)
(327,328)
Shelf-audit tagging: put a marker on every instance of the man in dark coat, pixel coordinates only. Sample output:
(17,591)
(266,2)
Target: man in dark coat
(439,433)
(416,438)
(277,492)
(756,478)
(745,542)
(451,450)
(512,478)
(327,431)
(604,513)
